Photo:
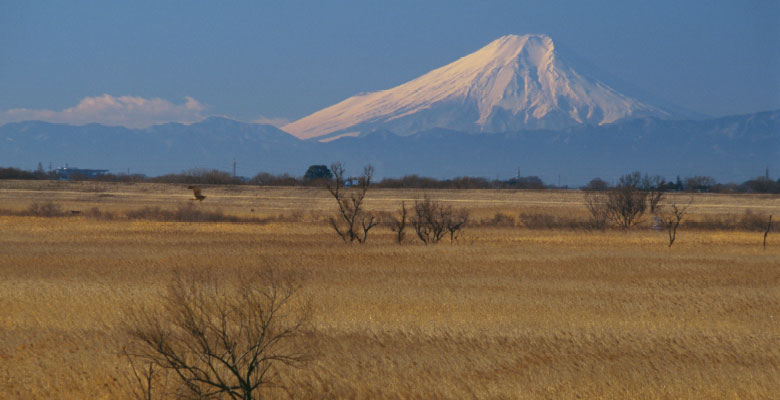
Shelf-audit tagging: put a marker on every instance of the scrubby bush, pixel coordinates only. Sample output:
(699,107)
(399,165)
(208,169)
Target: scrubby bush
(399,222)
(596,203)
(431,220)
(212,337)
(627,202)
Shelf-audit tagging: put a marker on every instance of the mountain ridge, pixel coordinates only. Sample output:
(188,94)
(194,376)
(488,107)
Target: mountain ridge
(514,82)
(730,148)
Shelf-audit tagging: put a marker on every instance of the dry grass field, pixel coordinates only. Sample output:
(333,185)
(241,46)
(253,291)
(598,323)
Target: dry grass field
(505,312)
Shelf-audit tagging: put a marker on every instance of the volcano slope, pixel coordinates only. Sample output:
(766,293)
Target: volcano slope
(513,83)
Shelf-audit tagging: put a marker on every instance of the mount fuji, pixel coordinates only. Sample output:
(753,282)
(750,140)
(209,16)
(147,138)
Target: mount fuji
(514,83)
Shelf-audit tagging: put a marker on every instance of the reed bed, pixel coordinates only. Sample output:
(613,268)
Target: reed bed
(504,312)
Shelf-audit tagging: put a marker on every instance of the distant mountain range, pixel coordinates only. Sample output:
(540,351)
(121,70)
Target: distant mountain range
(514,106)
(730,149)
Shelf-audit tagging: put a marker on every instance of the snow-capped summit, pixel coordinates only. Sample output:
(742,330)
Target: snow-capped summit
(513,83)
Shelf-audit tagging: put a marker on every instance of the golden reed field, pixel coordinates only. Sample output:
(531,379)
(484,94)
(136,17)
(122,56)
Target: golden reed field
(508,311)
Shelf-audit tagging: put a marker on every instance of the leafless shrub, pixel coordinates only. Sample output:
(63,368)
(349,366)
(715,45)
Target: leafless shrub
(432,219)
(428,221)
(219,338)
(654,186)
(455,223)
(352,223)
(45,209)
(596,203)
(398,223)
(654,199)
(670,217)
(148,381)
(626,202)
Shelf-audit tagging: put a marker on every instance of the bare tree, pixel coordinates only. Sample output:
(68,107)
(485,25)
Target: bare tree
(455,222)
(671,217)
(352,223)
(399,223)
(654,186)
(626,202)
(596,204)
(148,381)
(432,219)
(219,338)
(768,228)
(427,221)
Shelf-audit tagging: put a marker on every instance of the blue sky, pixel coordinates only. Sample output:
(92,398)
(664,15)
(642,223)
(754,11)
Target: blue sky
(181,60)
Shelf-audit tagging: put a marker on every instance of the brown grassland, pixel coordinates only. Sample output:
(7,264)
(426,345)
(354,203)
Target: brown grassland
(505,312)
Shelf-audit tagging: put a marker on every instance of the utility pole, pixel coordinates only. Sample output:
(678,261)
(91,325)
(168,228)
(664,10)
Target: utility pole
(234,167)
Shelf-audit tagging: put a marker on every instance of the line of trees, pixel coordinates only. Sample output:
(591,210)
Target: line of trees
(318,175)
(700,184)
